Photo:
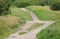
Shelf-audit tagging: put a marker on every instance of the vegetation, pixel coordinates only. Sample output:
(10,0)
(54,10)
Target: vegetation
(12,22)
(13,17)
(44,13)
(19,13)
(23,4)
(34,2)
(4,7)
(5,4)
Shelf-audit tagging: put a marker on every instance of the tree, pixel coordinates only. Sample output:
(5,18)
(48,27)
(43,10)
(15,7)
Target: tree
(4,6)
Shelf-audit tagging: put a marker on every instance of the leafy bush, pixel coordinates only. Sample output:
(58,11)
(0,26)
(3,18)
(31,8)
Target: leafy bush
(55,6)
(4,10)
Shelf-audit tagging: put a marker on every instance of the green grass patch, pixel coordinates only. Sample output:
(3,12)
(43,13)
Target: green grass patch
(35,26)
(44,13)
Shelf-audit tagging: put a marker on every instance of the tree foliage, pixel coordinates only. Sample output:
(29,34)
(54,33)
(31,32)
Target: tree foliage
(35,2)
(4,6)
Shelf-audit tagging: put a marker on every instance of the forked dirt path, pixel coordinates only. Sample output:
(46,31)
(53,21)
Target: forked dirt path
(31,34)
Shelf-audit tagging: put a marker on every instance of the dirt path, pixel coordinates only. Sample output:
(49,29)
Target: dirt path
(32,34)
(31,13)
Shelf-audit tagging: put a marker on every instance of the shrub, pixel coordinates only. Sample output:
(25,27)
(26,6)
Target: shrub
(55,6)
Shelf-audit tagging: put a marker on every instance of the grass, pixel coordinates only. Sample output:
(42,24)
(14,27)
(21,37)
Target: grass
(36,25)
(12,22)
(22,33)
(44,13)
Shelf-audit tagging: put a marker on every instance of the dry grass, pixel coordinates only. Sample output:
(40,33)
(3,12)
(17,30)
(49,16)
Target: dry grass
(8,21)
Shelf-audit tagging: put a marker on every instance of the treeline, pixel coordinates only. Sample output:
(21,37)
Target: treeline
(54,4)
(5,4)
(34,2)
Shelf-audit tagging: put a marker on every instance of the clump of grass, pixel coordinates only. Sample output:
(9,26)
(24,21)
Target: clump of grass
(36,25)
(22,33)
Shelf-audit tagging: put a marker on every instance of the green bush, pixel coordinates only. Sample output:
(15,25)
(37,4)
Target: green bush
(55,6)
